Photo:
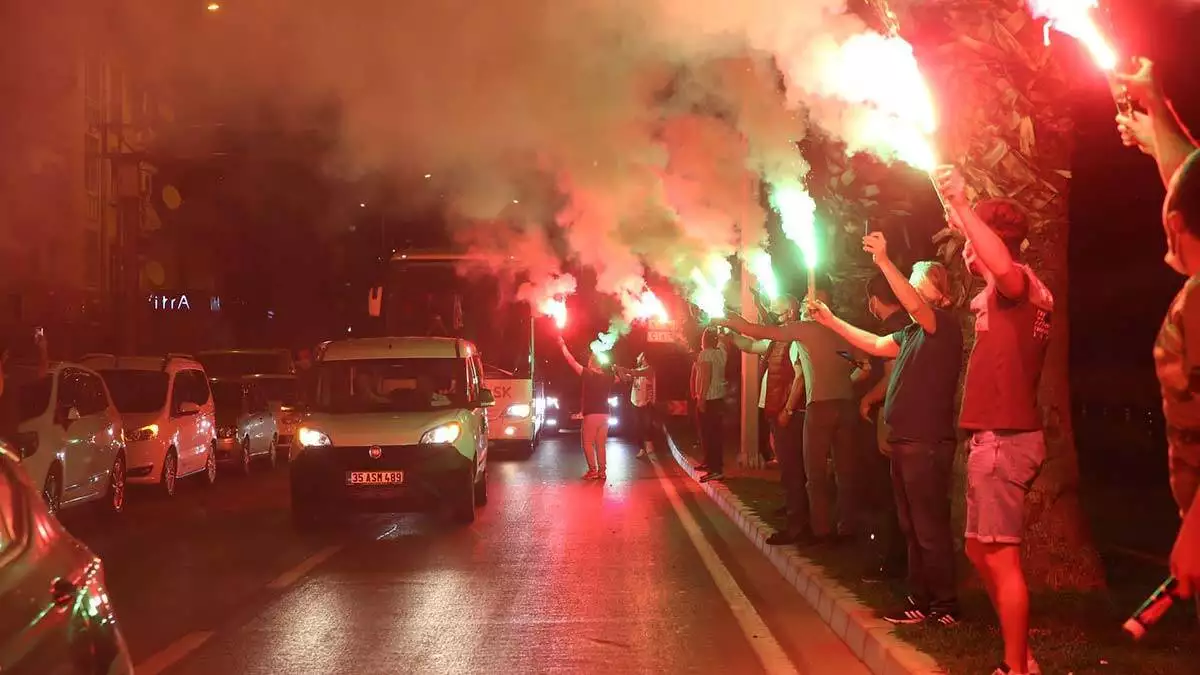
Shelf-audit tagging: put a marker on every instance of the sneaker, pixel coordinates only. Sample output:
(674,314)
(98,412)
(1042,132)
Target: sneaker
(911,613)
(940,618)
(772,463)
(712,475)
(601,475)
(590,475)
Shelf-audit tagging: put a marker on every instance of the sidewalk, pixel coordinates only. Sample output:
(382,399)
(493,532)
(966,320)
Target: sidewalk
(750,497)
(1073,633)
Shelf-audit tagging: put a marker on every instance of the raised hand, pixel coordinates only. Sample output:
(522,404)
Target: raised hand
(876,244)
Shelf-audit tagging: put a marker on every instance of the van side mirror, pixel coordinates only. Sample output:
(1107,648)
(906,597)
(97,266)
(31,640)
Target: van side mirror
(486,398)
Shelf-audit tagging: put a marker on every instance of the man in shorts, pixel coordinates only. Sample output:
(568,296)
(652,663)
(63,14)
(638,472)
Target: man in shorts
(1000,407)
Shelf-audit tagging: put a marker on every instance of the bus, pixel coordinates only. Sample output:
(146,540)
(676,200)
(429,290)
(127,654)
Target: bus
(456,295)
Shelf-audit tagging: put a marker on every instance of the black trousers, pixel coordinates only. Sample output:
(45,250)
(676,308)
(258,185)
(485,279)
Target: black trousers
(789,450)
(887,546)
(921,477)
(643,424)
(712,434)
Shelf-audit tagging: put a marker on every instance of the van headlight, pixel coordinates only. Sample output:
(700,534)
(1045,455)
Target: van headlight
(146,433)
(518,410)
(312,438)
(613,401)
(446,433)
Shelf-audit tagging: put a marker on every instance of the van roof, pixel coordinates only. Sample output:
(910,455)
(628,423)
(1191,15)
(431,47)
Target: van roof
(167,363)
(397,348)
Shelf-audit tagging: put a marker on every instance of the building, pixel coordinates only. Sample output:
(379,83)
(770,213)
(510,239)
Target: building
(75,180)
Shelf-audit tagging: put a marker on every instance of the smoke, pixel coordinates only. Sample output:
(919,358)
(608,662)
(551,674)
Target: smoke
(618,135)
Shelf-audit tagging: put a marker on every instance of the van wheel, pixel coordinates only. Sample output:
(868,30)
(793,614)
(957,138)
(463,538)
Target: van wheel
(210,467)
(244,465)
(463,510)
(481,496)
(52,490)
(115,503)
(170,473)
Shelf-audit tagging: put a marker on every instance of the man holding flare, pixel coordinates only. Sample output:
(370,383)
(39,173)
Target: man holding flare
(1160,134)
(919,413)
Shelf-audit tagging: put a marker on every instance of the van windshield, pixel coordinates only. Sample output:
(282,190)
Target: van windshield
(391,385)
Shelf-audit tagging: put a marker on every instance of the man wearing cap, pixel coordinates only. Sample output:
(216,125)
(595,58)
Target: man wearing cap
(1000,408)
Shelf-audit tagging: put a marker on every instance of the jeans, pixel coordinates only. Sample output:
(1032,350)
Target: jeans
(789,450)
(595,438)
(829,433)
(888,541)
(921,478)
(712,434)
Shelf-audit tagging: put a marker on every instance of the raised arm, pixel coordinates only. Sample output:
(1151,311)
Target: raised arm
(993,253)
(570,357)
(1159,133)
(870,343)
(876,244)
(750,346)
(738,324)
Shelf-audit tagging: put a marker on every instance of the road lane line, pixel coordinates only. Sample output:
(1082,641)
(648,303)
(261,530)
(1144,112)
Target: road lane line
(773,658)
(173,653)
(293,575)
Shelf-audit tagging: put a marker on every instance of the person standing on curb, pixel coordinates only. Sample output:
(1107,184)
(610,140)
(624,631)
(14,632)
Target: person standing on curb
(711,388)
(1000,403)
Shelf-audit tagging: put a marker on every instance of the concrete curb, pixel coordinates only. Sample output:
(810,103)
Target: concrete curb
(869,637)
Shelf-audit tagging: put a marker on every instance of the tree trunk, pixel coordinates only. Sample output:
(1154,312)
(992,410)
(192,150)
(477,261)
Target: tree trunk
(1003,100)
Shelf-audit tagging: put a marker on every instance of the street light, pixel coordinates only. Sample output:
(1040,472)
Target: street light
(213,6)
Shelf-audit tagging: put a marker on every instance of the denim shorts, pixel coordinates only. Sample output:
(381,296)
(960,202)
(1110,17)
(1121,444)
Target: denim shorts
(1001,468)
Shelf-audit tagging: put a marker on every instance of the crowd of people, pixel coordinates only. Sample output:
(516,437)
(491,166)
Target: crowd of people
(822,376)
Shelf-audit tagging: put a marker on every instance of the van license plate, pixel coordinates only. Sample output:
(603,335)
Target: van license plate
(374,478)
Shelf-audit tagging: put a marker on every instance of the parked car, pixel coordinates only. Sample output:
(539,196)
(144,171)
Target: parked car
(284,398)
(245,424)
(397,424)
(70,439)
(57,617)
(168,414)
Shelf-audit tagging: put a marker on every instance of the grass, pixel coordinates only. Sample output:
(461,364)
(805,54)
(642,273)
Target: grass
(1070,633)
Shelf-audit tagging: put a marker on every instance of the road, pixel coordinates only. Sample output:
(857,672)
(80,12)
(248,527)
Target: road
(641,574)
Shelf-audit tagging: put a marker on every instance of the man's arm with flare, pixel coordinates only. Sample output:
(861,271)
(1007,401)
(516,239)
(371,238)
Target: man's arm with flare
(865,341)
(993,253)
(1159,133)
(570,357)
(876,244)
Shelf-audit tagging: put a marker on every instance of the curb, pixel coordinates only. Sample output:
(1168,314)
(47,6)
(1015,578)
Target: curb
(870,638)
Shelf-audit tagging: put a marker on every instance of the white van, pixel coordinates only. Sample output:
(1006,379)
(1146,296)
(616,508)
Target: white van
(395,424)
(168,413)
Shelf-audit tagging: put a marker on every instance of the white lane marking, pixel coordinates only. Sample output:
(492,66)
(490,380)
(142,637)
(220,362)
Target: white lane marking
(293,575)
(173,653)
(773,658)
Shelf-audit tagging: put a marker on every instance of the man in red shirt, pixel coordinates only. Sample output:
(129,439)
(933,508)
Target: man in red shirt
(1000,408)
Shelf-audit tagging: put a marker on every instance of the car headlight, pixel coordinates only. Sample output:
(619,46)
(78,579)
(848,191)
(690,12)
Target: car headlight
(312,438)
(446,433)
(144,434)
(613,401)
(519,410)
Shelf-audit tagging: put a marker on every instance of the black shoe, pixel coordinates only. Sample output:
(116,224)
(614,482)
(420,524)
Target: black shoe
(712,475)
(911,613)
(941,618)
(782,539)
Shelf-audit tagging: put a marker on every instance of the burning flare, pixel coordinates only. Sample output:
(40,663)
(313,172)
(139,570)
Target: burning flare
(709,288)
(760,265)
(897,118)
(1075,18)
(648,307)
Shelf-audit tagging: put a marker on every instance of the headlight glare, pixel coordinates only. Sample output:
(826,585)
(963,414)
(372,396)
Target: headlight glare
(312,438)
(446,433)
(144,434)
(519,410)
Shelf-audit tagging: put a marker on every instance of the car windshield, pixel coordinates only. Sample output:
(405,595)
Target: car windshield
(33,392)
(137,391)
(235,364)
(391,385)
(227,396)
(282,390)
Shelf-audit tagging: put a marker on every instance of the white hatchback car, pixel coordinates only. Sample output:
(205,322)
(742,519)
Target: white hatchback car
(167,409)
(69,436)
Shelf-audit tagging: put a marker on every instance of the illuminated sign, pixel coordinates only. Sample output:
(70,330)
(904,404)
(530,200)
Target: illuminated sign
(180,302)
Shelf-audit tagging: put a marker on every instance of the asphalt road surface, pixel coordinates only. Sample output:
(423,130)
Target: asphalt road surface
(641,574)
